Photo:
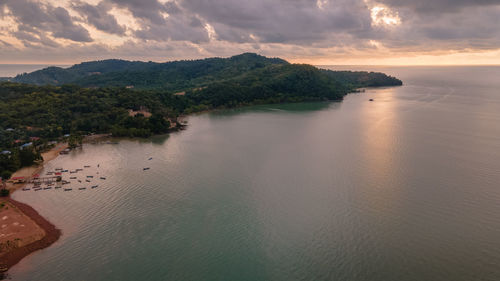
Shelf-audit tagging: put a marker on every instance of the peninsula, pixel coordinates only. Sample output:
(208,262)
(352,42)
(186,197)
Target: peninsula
(49,107)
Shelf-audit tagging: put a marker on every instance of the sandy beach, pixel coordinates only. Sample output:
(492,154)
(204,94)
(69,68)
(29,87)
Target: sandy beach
(22,229)
(38,233)
(32,170)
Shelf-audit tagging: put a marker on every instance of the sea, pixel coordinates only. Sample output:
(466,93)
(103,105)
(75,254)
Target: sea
(404,187)
(11,70)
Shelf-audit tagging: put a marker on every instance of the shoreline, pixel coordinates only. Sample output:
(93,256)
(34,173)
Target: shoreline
(52,234)
(36,169)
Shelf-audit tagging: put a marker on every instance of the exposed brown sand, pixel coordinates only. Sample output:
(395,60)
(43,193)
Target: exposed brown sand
(16,229)
(13,256)
(36,232)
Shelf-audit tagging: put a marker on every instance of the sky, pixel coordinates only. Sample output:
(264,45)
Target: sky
(320,32)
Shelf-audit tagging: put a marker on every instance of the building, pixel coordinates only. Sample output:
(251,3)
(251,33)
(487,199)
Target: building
(28,144)
(17,180)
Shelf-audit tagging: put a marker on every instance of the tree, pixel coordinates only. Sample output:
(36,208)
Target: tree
(6,175)
(75,141)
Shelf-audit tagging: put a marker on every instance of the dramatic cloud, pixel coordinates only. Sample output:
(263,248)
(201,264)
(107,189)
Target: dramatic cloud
(301,30)
(38,18)
(99,17)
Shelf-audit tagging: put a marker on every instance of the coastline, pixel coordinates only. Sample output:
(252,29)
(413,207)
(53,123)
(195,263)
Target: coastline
(52,234)
(35,169)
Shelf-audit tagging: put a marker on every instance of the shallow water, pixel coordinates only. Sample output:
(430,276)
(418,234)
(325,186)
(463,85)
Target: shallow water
(402,188)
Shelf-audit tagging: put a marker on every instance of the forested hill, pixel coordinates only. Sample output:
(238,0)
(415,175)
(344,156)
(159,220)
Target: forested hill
(171,89)
(179,76)
(245,79)
(171,76)
(31,115)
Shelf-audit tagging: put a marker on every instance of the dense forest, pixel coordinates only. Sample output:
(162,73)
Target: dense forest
(32,115)
(171,76)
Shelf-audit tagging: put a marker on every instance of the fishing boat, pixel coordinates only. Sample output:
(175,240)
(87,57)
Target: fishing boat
(68,189)
(102,178)
(72,178)
(86,166)
(79,181)
(87,180)
(26,189)
(57,187)
(49,187)
(37,189)
(144,169)
(90,176)
(151,158)
(94,186)
(82,188)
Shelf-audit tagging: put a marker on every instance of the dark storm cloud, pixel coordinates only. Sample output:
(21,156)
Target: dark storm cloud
(99,17)
(39,18)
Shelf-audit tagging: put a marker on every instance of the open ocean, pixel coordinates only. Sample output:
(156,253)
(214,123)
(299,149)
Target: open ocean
(11,70)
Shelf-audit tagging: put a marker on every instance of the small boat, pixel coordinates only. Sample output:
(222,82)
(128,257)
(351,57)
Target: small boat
(72,178)
(87,180)
(58,169)
(26,189)
(144,169)
(79,169)
(57,187)
(68,189)
(151,158)
(82,188)
(90,176)
(94,186)
(102,178)
(50,187)
(86,166)
(65,171)
(37,189)
(79,181)
(370,99)
(3,268)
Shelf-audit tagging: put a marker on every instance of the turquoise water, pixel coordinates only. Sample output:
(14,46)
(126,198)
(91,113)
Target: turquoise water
(402,188)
